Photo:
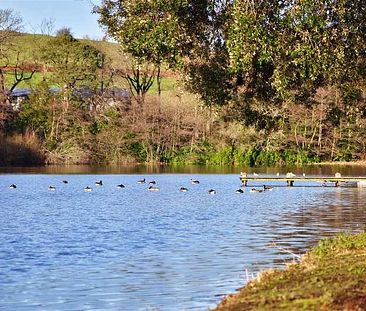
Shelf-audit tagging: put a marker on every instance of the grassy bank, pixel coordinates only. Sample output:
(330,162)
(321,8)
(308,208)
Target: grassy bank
(332,276)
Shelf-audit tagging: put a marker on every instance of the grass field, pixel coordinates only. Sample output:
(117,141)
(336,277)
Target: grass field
(29,46)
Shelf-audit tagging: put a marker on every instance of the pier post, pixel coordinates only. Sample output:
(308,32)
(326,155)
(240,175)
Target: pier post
(243,178)
(290,183)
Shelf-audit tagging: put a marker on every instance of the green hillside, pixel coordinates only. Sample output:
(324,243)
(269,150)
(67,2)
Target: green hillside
(27,47)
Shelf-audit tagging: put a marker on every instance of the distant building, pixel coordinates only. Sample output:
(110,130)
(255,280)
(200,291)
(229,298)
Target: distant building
(18,96)
(112,96)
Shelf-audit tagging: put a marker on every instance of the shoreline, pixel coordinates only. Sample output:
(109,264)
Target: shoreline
(330,276)
(341,163)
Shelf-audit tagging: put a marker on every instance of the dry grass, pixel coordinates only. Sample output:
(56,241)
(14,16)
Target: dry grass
(21,149)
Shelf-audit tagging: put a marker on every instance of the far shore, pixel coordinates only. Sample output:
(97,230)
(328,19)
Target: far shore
(342,163)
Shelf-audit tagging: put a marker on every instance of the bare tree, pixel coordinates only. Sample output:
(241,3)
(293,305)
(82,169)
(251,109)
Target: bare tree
(48,26)
(10,24)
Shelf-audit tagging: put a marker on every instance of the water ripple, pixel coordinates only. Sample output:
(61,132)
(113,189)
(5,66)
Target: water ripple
(131,249)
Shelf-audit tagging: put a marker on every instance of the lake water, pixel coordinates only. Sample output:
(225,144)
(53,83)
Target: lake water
(131,249)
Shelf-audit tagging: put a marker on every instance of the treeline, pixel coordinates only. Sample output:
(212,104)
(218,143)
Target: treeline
(261,83)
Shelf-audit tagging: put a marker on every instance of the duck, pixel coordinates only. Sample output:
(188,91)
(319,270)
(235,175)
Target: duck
(88,189)
(212,191)
(141,181)
(51,188)
(13,186)
(121,186)
(65,182)
(153,189)
(153,182)
(267,188)
(183,189)
(195,181)
(239,191)
(256,190)
(99,183)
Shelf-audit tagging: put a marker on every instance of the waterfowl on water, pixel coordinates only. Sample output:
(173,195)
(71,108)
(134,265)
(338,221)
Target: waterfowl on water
(65,181)
(51,188)
(153,189)
(141,181)
(212,191)
(256,190)
(120,186)
(153,182)
(12,186)
(267,188)
(99,183)
(195,181)
(255,174)
(239,191)
(183,189)
(87,189)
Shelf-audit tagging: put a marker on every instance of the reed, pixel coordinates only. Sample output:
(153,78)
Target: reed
(21,149)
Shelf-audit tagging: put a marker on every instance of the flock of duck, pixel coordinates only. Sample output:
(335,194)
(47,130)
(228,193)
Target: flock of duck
(154,188)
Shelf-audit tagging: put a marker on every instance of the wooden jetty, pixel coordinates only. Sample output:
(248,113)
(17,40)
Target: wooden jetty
(337,180)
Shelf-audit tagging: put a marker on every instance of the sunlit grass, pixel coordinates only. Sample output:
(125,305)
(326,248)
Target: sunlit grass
(332,276)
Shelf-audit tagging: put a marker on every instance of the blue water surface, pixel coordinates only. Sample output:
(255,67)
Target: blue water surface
(131,249)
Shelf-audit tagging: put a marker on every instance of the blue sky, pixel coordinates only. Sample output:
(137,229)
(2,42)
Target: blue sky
(75,14)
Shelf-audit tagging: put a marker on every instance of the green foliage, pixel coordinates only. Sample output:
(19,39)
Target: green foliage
(137,150)
(37,113)
(74,63)
(252,51)
(268,158)
(148,30)
(339,244)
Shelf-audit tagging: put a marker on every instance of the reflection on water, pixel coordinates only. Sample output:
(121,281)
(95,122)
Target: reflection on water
(131,249)
(346,170)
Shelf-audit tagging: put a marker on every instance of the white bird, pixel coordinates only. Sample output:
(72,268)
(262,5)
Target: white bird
(51,188)
(183,189)
(290,174)
(88,189)
(153,189)
(255,174)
